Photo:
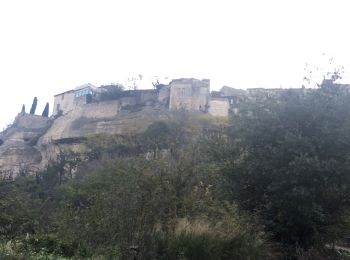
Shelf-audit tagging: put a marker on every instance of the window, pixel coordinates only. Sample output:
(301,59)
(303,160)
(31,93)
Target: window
(62,96)
(58,107)
(82,92)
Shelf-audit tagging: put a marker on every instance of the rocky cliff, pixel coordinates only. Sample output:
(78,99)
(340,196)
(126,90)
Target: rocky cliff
(19,152)
(33,141)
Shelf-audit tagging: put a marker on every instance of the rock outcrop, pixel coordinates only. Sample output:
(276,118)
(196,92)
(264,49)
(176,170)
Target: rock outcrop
(19,152)
(33,141)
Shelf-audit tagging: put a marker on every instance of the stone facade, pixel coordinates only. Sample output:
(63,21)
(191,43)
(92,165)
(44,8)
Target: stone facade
(64,102)
(184,93)
(81,95)
(189,94)
(219,107)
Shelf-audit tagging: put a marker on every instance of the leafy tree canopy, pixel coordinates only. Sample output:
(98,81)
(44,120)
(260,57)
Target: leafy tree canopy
(293,165)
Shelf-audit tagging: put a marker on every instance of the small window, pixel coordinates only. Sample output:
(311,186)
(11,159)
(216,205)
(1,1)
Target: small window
(82,92)
(58,107)
(62,96)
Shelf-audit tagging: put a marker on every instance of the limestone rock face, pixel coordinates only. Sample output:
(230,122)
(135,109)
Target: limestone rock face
(78,123)
(17,160)
(33,141)
(19,152)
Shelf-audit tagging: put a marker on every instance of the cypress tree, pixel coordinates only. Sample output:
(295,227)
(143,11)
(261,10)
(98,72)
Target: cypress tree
(46,110)
(33,108)
(23,109)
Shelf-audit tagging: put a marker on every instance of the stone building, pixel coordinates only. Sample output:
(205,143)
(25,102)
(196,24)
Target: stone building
(219,104)
(184,93)
(189,94)
(66,101)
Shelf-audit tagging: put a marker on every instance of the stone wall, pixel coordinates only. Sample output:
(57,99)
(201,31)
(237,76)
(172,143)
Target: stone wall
(180,95)
(64,102)
(200,95)
(32,121)
(138,97)
(219,107)
(103,109)
(148,96)
(189,94)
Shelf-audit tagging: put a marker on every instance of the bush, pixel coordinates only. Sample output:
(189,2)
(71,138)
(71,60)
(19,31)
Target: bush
(205,240)
(111,92)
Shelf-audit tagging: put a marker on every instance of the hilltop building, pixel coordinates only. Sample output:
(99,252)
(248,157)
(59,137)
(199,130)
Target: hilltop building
(189,94)
(180,94)
(185,93)
(66,101)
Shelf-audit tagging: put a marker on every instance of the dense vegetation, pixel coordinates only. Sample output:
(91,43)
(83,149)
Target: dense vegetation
(111,92)
(271,183)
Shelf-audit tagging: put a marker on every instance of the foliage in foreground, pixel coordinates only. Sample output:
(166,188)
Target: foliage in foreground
(149,208)
(131,207)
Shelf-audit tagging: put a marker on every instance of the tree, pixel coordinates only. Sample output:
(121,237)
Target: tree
(46,110)
(23,109)
(156,137)
(327,70)
(19,212)
(34,104)
(111,92)
(293,163)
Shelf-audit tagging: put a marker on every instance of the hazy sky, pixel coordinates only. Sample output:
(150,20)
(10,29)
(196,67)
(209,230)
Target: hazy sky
(47,47)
